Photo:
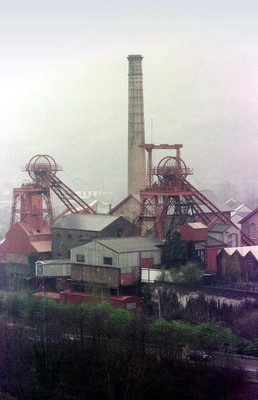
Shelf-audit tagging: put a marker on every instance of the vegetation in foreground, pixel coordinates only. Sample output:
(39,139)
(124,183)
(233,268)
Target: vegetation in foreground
(94,351)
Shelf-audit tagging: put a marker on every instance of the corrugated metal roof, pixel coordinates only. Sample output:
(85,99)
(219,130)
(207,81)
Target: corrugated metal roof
(130,244)
(230,250)
(243,251)
(86,222)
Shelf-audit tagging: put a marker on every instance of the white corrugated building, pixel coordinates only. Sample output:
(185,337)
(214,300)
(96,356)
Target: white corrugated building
(239,264)
(119,260)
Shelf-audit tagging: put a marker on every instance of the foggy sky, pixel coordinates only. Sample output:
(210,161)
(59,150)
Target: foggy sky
(64,87)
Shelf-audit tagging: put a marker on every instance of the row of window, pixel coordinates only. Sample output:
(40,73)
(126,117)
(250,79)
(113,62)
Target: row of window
(81,258)
(106,260)
(70,236)
(84,237)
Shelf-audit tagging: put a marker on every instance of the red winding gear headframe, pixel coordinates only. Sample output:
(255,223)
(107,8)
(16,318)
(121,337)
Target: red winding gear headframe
(32,201)
(42,169)
(166,186)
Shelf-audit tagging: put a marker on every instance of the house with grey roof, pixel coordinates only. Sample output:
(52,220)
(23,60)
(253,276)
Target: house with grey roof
(239,211)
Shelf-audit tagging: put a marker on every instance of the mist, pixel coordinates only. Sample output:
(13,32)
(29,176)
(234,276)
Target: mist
(64,88)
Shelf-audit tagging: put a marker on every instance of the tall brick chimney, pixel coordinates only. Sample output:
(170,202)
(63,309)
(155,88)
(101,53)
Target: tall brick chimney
(136,133)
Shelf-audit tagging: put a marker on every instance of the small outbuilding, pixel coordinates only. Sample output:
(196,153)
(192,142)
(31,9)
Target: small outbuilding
(238,264)
(52,274)
(194,231)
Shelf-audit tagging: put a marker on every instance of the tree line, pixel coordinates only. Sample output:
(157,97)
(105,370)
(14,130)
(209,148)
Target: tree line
(94,351)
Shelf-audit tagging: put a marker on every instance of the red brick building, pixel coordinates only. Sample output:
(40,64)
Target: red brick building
(249,225)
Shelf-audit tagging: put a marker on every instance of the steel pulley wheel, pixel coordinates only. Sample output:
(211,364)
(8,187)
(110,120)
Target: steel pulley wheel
(41,167)
(170,170)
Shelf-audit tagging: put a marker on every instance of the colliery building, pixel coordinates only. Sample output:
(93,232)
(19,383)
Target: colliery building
(238,264)
(128,208)
(114,263)
(76,229)
(21,240)
(52,274)
(161,203)
(249,225)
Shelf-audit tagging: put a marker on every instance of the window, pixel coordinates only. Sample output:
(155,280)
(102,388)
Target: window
(253,231)
(69,236)
(107,260)
(80,257)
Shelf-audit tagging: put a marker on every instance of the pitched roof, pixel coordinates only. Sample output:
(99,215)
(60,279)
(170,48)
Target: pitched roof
(232,203)
(249,215)
(135,196)
(213,242)
(220,227)
(243,251)
(130,244)
(238,207)
(86,222)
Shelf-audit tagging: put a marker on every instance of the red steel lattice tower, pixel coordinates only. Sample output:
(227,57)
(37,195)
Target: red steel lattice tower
(167,187)
(32,204)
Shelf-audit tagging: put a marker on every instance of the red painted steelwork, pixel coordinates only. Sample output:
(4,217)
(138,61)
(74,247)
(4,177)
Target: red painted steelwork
(32,206)
(167,185)
(32,202)
(72,297)
(32,211)
(42,169)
